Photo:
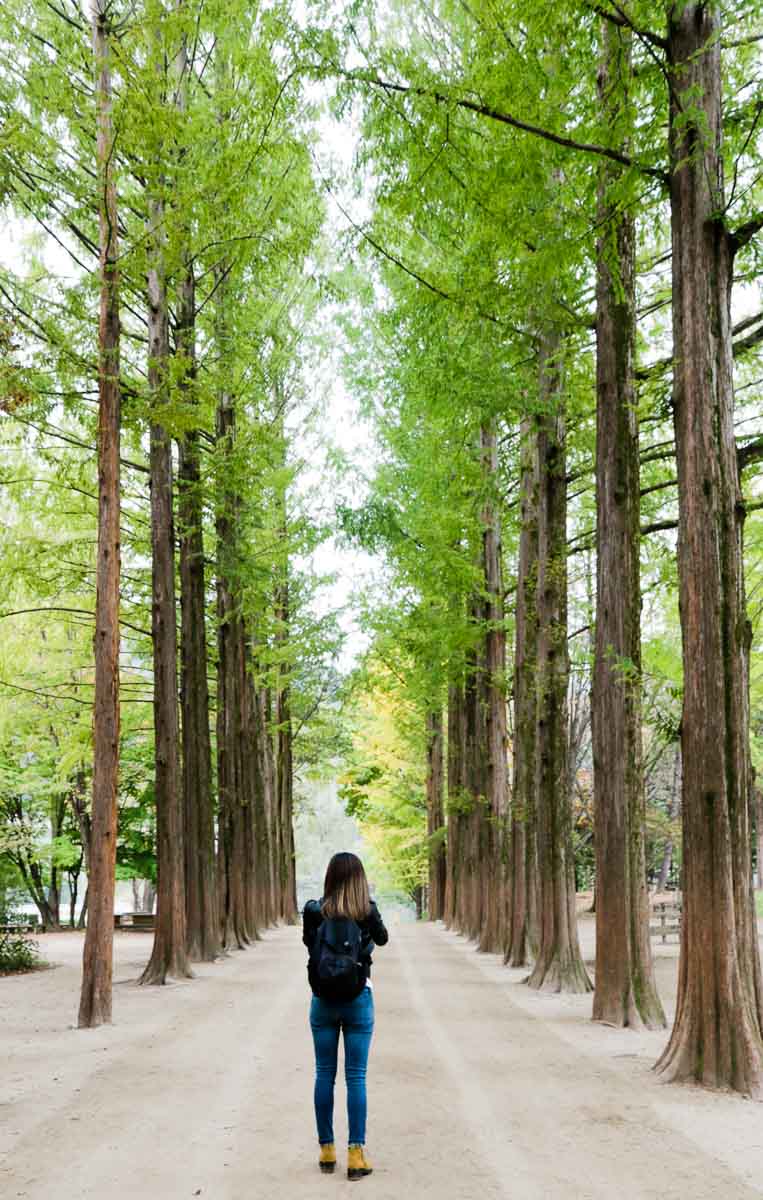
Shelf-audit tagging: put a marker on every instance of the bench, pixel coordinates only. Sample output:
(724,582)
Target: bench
(666,919)
(23,927)
(137,922)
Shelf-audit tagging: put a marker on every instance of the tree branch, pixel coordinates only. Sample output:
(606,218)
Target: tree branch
(746,232)
(746,343)
(658,526)
(494,114)
(83,612)
(620,18)
(432,287)
(752,452)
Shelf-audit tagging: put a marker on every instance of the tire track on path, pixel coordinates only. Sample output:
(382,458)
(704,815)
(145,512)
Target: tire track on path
(590,1131)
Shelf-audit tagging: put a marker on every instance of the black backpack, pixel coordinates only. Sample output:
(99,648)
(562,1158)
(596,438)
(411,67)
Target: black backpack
(336,972)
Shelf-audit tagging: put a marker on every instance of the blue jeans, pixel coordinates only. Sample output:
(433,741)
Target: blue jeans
(356,1021)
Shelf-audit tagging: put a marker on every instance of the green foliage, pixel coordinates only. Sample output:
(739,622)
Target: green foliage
(382,783)
(462,237)
(225,150)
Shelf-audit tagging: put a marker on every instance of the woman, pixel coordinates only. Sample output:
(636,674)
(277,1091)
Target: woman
(345,907)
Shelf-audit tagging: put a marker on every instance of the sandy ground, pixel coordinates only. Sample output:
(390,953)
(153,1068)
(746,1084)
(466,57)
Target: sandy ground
(478,1088)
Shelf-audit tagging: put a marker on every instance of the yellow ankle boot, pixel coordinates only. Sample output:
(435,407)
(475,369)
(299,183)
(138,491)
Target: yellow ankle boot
(357,1163)
(327,1160)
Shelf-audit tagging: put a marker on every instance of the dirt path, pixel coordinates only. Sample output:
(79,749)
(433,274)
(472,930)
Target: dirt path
(478,1089)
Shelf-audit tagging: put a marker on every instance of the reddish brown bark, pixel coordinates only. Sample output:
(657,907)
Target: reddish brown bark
(717,1038)
(232,848)
(95,996)
(455,816)
(235,841)
(169,954)
(494,813)
(260,877)
(759,832)
(625,991)
(283,756)
(202,917)
(521,936)
(435,819)
(670,812)
(285,793)
(559,965)
(268,819)
(470,906)
(255,862)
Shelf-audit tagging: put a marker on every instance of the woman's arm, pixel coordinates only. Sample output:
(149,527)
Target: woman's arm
(311,919)
(376,926)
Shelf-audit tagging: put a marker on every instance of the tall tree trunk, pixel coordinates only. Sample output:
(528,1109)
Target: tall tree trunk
(284,764)
(625,988)
(34,883)
(272,833)
(717,1038)
(476,862)
(231,715)
(455,817)
(251,794)
(262,879)
(559,965)
(148,898)
(672,806)
(759,833)
(494,874)
(232,855)
(202,917)
(285,793)
(82,921)
(523,832)
(169,954)
(435,820)
(232,851)
(73,877)
(95,996)
(58,810)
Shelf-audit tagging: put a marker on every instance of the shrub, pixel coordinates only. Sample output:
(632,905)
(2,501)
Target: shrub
(18,952)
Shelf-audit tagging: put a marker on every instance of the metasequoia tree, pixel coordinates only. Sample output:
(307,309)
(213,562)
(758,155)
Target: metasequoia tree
(492,932)
(455,787)
(522,934)
(558,965)
(717,1037)
(95,996)
(285,882)
(169,953)
(625,991)
(435,815)
(232,858)
(202,921)
(759,833)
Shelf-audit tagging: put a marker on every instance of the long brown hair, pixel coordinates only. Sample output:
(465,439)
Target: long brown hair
(345,890)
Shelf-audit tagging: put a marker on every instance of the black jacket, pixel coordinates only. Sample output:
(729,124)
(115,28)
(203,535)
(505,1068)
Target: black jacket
(372,931)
